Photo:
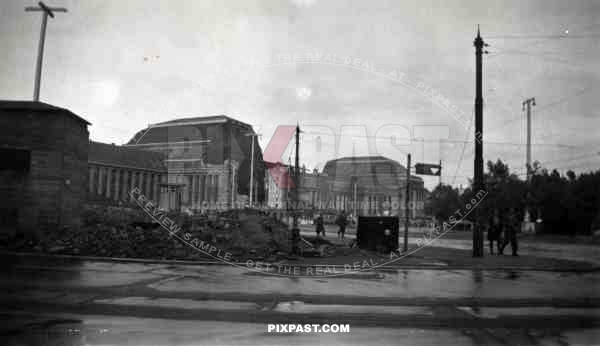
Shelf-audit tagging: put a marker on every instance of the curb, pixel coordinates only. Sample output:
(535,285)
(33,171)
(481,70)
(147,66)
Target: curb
(383,268)
(275,317)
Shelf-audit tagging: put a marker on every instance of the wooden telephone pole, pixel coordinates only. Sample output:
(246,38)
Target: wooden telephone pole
(478,184)
(46,11)
(527,104)
(406,203)
(295,230)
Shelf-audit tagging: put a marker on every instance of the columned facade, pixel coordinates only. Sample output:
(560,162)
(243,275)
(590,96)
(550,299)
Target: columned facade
(117,183)
(198,186)
(183,164)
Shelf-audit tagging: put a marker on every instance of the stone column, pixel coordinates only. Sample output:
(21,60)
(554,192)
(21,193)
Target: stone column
(143,183)
(213,188)
(202,188)
(234,185)
(189,182)
(148,185)
(143,179)
(155,180)
(117,184)
(164,197)
(157,188)
(108,182)
(217,185)
(208,188)
(199,189)
(133,184)
(194,189)
(125,188)
(140,184)
(157,192)
(99,179)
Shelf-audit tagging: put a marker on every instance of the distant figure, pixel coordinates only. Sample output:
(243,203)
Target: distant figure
(319,225)
(341,222)
(510,232)
(494,231)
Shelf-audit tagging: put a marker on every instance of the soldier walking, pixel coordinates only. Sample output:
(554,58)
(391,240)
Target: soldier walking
(341,222)
(494,231)
(510,232)
(319,225)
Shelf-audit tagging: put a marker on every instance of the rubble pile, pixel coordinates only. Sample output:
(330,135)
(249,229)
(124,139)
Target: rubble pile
(130,233)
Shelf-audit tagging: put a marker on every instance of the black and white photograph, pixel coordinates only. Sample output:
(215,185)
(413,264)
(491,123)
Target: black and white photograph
(299,172)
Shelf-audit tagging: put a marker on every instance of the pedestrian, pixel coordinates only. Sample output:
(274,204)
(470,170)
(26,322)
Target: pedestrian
(341,222)
(493,231)
(510,232)
(319,225)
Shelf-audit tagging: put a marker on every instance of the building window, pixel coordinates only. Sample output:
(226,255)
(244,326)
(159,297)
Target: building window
(18,160)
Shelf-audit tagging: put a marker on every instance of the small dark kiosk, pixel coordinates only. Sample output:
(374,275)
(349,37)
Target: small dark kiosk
(378,233)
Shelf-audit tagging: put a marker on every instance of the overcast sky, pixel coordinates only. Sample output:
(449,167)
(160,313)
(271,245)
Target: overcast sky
(125,64)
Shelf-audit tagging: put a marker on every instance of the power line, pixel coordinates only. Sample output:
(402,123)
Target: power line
(573,158)
(542,38)
(448,140)
(546,37)
(547,106)
(463,148)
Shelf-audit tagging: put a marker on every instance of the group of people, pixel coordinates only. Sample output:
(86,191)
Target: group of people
(341,220)
(502,229)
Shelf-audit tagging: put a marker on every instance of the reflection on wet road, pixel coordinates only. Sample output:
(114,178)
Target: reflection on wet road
(176,304)
(406,283)
(115,331)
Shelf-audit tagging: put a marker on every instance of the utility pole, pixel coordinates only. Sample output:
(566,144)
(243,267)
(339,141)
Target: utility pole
(252,136)
(233,192)
(295,229)
(47,11)
(251,171)
(527,104)
(406,203)
(354,192)
(297,163)
(478,162)
(297,176)
(440,181)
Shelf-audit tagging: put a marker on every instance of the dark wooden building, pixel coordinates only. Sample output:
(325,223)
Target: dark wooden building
(43,166)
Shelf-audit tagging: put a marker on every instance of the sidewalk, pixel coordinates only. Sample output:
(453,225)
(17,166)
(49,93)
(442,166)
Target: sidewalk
(425,257)
(433,257)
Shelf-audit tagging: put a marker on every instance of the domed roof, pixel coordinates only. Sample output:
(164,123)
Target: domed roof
(363,166)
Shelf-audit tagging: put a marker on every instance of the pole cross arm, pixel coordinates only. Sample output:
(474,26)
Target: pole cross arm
(43,8)
(46,11)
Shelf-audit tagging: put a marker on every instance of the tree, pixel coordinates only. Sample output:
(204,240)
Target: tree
(443,203)
(505,191)
(567,204)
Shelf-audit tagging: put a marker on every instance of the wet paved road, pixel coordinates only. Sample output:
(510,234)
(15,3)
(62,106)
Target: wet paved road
(230,305)
(401,283)
(102,330)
